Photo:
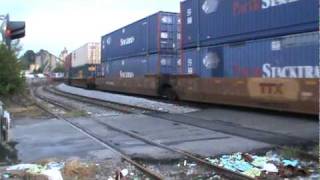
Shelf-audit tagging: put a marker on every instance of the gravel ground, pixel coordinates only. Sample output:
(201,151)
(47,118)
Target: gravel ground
(130,100)
(86,108)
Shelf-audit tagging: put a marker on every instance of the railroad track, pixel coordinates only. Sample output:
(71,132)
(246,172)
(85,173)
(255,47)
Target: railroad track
(215,125)
(125,108)
(104,143)
(271,137)
(129,109)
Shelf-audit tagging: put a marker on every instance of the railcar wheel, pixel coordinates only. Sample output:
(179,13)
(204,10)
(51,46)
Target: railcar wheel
(170,94)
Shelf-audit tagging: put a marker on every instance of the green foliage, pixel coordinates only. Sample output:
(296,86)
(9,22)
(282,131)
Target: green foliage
(40,70)
(11,80)
(27,59)
(59,68)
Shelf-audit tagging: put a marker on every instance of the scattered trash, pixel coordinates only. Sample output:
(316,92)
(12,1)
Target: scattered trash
(293,163)
(253,172)
(270,168)
(185,163)
(259,161)
(124,172)
(75,168)
(6,175)
(21,167)
(55,166)
(51,170)
(261,166)
(53,174)
(37,169)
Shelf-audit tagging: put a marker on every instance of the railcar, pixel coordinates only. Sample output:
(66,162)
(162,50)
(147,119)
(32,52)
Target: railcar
(265,56)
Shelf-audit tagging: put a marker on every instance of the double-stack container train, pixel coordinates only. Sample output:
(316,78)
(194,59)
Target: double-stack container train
(136,57)
(252,53)
(81,64)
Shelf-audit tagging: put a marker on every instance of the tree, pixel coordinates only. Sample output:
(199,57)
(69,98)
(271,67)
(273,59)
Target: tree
(11,80)
(27,59)
(59,68)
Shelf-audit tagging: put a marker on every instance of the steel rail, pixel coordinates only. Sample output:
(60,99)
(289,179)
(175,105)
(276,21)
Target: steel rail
(220,170)
(107,145)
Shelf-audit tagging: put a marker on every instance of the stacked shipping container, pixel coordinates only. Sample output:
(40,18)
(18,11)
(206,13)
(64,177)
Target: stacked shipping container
(260,53)
(238,38)
(292,56)
(148,46)
(83,62)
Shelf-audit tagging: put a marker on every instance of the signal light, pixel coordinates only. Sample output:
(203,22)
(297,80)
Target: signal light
(15,30)
(7,33)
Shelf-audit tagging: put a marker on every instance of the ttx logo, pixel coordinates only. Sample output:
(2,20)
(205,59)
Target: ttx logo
(271,88)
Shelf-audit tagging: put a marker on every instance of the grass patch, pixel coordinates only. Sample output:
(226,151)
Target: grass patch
(290,152)
(79,113)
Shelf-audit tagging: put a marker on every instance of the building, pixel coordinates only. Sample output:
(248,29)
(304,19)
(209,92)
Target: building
(45,61)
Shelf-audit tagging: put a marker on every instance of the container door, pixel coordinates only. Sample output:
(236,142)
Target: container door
(190,23)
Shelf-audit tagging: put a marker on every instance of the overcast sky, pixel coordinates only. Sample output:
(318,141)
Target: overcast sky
(55,24)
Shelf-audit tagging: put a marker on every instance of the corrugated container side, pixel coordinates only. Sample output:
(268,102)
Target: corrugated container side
(212,22)
(189,23)
(295,56)
(87,54)
(154,34)
(164,25)
(129,40)
(94,53)
(141,66)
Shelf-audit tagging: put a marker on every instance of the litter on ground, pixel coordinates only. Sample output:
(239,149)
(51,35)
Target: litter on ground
(271,164)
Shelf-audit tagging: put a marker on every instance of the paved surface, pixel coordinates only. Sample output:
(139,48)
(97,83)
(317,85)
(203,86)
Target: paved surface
(300,126)
(207,132)
(185,137)
(40,139)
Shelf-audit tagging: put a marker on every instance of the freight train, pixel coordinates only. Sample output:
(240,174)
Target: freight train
(252,53)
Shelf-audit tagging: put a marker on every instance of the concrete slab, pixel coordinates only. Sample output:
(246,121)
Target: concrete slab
(41,139)
(128,145)
(185,137)
(296,126)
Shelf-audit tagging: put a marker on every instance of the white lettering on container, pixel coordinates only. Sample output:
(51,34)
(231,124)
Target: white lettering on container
(127,41)
(126,74)
(190,68)
(272,3)
(290,71)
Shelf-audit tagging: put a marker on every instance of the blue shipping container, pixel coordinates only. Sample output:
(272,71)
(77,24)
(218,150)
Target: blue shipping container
(212,22)
(154,34)
(294,56)
(140,66)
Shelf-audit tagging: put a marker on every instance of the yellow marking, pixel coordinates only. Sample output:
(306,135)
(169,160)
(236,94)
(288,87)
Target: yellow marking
(274,89)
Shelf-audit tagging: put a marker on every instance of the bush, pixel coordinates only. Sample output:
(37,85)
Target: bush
(11,80)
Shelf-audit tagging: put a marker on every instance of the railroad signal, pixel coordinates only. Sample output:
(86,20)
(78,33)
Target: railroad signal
(11,30)
(15,30)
